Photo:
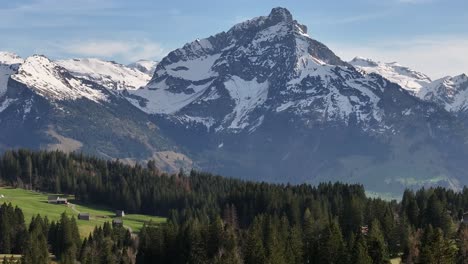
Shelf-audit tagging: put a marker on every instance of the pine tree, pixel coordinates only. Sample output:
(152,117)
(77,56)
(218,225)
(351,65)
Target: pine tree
(436,249)
(462,237)
(332,249)
(274,243)
(295,246)
(254,249)
(36,249)
(68,241)
(376,244)
(412,247)
(216,231)
(360,254)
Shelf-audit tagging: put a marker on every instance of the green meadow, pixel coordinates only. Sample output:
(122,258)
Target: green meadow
(33,203)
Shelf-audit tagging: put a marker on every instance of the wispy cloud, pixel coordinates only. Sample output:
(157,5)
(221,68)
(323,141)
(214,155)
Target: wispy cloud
(437,55)
(124,50)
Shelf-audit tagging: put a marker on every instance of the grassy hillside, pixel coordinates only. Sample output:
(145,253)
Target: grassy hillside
(33,203)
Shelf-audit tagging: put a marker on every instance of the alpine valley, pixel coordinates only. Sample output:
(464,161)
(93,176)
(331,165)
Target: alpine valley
(262,101)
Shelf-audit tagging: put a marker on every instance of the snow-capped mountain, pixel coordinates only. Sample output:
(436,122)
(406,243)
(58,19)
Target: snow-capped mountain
(145,66)
(50,80)
(448,92)
(9,64)
(109,74)
(46,106)
(407,78)
(264,100)
(265,65)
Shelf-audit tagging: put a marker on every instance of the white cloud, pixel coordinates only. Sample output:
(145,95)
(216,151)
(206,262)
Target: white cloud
(110,49)
(437,56)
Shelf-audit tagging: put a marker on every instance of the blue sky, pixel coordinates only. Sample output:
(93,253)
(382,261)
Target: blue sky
(428,35)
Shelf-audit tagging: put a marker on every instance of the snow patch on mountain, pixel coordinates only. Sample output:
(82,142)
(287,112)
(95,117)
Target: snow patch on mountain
(9,64)
(6,103)
(145,66)
(449,92)
(10,58)
(161,100)
(49,80)
(193,70)
(247,95)
(109,74)
(407,78)
(266,64)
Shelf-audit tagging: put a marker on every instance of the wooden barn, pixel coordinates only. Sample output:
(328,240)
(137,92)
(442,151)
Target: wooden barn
(53,199)
(83,216)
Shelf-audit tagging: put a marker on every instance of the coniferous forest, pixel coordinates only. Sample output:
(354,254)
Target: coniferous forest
(212,219)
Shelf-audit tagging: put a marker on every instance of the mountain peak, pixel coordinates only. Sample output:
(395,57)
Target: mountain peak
(407,78)
(280,14)
(52,81)
(10,58)
(111,75)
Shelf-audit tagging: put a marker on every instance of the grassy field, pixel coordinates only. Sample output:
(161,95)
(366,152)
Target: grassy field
(33,203)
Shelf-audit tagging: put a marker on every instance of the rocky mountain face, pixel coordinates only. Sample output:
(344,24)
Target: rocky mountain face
(407,78)
(9,64)
(111,75)
(448,92)
(145,66)
(266,101)
(46,106)
(261,101)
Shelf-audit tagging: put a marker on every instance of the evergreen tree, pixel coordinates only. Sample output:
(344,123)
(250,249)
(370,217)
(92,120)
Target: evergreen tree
(332,249)
(254,249)
(360,254)
(36,249)
(436,249)
(462,238)
(376,244)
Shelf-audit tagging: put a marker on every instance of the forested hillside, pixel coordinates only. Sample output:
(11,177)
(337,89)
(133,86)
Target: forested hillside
(222,220)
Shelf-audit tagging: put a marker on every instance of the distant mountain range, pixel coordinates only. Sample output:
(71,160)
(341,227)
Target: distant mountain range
(260,101)
(450,92)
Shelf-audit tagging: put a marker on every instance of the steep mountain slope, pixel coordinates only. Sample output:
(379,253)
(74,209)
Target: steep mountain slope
(262,101)
(109,74)
(145,66)
(9,64)
(258,65)
(407,78)
(45,106)
(265,101)
(448,92)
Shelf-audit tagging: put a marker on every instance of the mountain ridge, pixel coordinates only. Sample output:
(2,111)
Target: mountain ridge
(262,100)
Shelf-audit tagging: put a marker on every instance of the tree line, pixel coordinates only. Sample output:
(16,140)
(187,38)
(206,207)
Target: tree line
(212,219)
(61,238)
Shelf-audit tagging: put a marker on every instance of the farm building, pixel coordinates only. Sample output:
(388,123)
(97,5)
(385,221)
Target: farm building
(83,216)
(117,222)
(56,200)
(119,213)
